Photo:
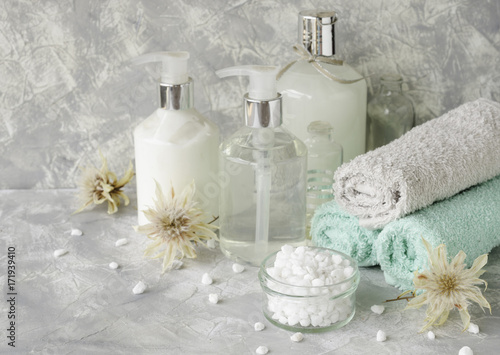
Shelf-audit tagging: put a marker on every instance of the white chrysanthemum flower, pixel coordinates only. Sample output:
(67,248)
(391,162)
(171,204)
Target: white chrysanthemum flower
(448,285)
(175,224)
(98,186)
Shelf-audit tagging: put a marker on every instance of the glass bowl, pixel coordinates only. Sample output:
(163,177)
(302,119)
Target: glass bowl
(307,308)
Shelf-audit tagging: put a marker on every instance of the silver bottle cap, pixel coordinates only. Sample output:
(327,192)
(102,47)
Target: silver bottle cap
(317,31)
(177,97)
(263,113)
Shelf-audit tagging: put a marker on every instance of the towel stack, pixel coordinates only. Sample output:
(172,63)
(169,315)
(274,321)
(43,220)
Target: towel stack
(440,181)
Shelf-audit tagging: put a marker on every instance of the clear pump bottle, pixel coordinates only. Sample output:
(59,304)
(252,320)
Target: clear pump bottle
(176,144)
(309,95)
(324,156)
(263,203)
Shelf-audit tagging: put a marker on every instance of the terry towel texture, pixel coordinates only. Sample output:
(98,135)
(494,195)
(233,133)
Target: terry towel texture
(331,227)
(431,162)
(468,221)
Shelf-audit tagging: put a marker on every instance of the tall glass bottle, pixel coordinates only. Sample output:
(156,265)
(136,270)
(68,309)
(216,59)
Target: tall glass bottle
(311,95)
(324,156)
(263,200)
(390,112)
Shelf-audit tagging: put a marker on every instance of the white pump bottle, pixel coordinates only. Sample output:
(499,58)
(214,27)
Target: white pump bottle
(176,144)
(263,202)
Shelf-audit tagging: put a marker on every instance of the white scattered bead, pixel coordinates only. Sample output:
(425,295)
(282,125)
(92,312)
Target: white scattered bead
(121,242)
(259,326)
(473,328)
(262,350)
(206,279)
(113,265)
(297,337)
(431,335)
(213,298)
(379,309)
(176,265)
(139,288)
(238,268)
(381,336)
(211,244)
(60,252)
(466,351)
(76,232)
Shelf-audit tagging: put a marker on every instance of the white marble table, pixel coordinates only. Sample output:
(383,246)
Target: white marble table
(76,304)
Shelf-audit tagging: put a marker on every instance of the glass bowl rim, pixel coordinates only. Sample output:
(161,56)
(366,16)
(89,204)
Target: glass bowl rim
(353,263)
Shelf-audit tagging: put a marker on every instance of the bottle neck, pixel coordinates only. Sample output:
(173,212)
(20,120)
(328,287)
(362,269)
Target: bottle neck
(177,97)
(391,84)
(324,137)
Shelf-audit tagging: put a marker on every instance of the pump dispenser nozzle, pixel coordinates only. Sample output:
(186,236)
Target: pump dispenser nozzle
(173,67)
(262,102)
(262,79)
(175,84)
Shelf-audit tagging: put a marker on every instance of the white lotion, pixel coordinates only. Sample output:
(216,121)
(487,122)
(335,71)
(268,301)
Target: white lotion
(176,144)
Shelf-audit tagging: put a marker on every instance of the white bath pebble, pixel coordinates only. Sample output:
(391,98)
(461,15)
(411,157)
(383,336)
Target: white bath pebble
(381,336)
(262,350)
(113,265)
(176,265)
(60,252)
(211,244)
(76,232)
(337,259)
(466,351)
(431,335)
(297,337)
(121,242)
(238,268)
(473,328)
(259,326)
(206,279)
(139,288)
(378,309)
(213,298)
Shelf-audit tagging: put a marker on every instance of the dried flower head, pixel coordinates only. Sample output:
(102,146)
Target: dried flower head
(175,224)
(447,286)
(98,186)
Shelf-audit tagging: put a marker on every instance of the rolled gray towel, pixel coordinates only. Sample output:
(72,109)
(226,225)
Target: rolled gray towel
(431,162)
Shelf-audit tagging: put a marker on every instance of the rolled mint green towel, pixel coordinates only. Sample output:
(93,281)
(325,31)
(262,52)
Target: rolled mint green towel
(468,221)
(333,228)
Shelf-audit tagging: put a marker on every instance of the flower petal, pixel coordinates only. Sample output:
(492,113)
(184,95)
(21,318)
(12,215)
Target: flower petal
(478,264)
(465,316)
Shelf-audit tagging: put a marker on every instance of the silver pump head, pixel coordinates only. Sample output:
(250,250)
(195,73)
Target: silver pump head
(176,96)
(317,31)
(176,87)
(263,113)
(262,103)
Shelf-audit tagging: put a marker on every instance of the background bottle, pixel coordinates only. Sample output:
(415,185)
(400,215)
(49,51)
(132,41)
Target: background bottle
(324,156)
(176,144)
(390,112)
(309,95)
(263,203)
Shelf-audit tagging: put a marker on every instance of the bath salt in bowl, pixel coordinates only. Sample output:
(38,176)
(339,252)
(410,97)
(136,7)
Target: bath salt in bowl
(309,289)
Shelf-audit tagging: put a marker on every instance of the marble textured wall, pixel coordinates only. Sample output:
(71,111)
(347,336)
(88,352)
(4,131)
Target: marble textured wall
(67,89)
